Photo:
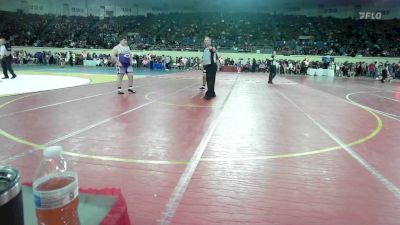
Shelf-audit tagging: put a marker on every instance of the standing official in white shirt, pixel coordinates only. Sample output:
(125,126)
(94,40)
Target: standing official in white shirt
(210,64)
(6,59)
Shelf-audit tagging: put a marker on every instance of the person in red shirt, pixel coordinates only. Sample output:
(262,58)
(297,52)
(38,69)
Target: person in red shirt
(372,70)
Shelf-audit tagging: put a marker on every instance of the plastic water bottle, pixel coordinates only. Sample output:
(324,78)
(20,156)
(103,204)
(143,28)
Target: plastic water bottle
(55,190)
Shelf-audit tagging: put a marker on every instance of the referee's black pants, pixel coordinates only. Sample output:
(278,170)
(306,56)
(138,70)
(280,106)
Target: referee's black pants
(211,72)
(6,65)
(272,74)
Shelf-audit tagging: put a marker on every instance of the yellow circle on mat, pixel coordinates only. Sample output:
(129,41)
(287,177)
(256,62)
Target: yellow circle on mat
(184,162)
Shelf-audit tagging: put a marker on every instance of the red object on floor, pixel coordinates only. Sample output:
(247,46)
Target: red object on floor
(118,214)
(229,69)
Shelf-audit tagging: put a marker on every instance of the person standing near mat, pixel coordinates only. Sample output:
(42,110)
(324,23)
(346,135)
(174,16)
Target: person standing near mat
(6,59)
(122,56)
(384,73)
(210,65)
(272,69)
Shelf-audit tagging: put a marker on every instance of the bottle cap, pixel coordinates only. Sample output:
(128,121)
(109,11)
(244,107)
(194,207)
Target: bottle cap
(52,151)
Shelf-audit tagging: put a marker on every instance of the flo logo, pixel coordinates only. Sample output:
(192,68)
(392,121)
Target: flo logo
(370,15)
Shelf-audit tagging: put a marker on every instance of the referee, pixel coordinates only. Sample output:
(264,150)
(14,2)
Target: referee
(6,59)
(272,69)
(210,65)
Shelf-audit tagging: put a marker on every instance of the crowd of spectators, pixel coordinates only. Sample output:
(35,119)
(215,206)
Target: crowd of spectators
(247,32)
(347,69)
(194,63)
(104,60)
